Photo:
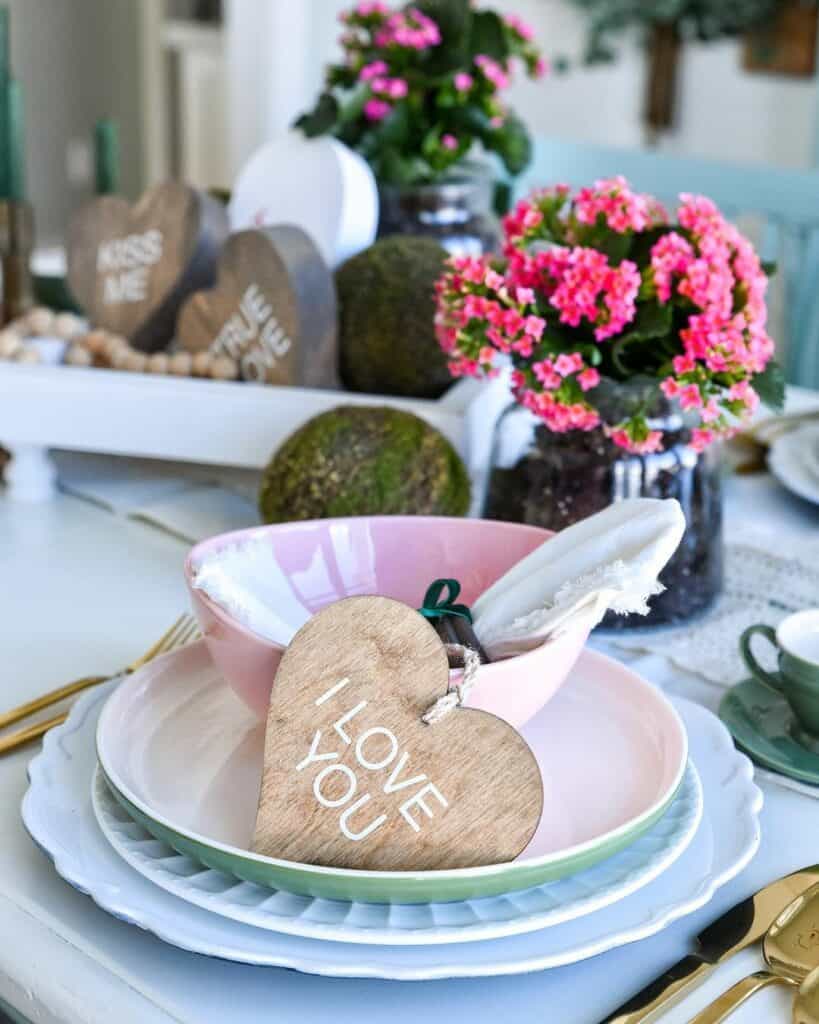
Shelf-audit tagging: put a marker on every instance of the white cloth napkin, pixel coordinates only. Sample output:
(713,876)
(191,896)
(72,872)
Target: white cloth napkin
(247,581)
(609,560)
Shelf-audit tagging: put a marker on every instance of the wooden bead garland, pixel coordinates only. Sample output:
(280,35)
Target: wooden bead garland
(104,349)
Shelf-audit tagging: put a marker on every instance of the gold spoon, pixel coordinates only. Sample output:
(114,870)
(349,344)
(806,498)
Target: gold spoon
(806,1004)
(791,951)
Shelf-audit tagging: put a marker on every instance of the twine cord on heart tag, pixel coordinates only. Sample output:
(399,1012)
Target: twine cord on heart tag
(456,695)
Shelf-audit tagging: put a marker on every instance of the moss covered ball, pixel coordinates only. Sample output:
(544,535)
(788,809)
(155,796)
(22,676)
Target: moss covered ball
(386,300)
(364,460)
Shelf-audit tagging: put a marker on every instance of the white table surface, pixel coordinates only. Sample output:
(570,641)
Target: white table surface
(83,591)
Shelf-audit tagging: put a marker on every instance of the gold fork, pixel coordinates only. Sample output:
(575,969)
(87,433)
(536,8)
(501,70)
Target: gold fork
(181,632)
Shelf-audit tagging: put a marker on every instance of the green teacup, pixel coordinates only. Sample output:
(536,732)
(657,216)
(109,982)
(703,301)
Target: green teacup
(796,639)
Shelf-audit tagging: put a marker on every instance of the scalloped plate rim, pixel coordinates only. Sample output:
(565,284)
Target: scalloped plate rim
(395,934)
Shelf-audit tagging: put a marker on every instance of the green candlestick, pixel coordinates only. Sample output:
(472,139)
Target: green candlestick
(16,142)
(106,157)
(5,78)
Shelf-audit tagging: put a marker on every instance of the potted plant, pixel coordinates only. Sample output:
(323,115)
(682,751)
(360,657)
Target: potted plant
(418,91)
(636,341)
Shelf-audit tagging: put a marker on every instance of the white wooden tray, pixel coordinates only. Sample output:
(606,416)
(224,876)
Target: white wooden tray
(201,421)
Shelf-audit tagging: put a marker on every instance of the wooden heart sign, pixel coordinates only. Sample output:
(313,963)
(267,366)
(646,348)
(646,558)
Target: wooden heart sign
(352,775)
(273,310)
(131,267)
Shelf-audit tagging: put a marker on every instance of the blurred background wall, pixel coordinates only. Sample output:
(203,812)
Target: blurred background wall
(194,98)
(78,60)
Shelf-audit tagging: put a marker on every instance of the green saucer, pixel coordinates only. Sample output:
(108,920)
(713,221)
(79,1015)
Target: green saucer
(764,726)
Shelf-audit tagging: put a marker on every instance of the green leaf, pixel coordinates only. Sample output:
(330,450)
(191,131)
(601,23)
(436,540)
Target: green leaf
(354,107)
(770,386)
(321,119)
(769,267)
(394,130)
(394,169)
(454,20)
(512,144)
(488,36)
(653,320)
(502,198)
(614,245)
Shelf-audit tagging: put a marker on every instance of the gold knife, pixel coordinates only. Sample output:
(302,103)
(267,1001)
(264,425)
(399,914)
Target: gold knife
(739,927)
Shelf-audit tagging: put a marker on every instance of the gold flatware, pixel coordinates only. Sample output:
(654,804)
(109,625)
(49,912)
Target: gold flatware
(789,957)
(181,632)
(738,928)
(806,1004)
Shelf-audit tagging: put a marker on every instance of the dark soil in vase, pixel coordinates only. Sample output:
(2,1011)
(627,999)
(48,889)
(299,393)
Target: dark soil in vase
(563,478)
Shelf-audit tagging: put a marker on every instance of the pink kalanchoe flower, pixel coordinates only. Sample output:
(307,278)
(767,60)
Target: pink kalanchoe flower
(568,363)
(492,278)
(497,121)
(547,374)
(690,397)
(449,142)
(588,379)
(366,8)
(589,288)
(376,110)
(534,326)
(710,412)
(411,30)
(621,208)
(525,296)
(523,29)
(653,442)
(493,71)
(701,438)
(394,88)
(671,256)
(743,392)
(541,67)
(397,88)
(463,81)
(372,70)
(670,387)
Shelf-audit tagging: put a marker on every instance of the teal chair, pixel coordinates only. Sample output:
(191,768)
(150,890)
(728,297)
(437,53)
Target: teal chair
(786,202)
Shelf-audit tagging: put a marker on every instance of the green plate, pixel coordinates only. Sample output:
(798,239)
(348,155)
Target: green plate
(764,726)
(183,756)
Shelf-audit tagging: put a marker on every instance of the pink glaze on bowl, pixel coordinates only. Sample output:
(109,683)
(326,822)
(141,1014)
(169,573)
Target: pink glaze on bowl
(395,556)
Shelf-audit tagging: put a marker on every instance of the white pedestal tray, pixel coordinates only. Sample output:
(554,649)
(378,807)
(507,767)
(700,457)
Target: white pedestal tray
(201,421)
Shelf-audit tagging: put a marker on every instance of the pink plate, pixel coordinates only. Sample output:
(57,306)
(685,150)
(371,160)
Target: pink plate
(396,556)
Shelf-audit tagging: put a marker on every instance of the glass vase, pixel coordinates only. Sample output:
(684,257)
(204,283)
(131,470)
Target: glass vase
(553,480)
(457,213)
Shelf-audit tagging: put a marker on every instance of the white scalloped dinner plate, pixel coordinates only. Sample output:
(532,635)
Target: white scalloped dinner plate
(397,924)
(793,459)
(57,813)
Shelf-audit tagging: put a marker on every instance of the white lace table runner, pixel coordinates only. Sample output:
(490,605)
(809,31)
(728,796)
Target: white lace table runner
(760,586)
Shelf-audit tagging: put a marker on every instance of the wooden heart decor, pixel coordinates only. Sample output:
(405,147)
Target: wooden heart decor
(352,775)
(273,310)
(131,267)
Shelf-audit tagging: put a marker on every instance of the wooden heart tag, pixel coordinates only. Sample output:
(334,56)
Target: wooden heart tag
(131,267)
(273,310)
(354,778)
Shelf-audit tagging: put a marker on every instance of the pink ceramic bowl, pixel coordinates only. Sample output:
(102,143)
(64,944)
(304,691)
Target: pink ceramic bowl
(395,556)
